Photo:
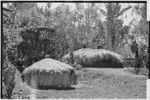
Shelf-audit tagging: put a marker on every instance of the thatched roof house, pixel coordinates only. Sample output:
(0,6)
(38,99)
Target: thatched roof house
(49,72)
(96,58)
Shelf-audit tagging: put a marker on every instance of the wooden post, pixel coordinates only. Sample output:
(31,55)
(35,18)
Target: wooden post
(71,57)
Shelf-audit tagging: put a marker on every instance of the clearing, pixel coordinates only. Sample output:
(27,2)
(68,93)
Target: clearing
(93,83)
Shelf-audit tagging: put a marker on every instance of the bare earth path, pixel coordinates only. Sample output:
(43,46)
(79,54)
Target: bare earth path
(94,83)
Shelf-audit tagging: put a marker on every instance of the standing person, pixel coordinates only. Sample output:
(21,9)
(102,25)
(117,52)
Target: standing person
(135,50)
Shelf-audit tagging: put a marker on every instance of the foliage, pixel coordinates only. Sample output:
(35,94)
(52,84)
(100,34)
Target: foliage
(89,19)
(77,66)
(113,12)
(8,70)
(142,27)
(141,56)
(125,51)
(8,76)
(141,71)
(36,44)
(129,62)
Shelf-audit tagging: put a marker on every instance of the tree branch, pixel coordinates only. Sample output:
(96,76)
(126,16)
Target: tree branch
(6,9)
(122,11)
(103,12)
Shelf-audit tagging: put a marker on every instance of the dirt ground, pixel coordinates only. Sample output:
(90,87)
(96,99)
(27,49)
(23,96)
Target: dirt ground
(93,83)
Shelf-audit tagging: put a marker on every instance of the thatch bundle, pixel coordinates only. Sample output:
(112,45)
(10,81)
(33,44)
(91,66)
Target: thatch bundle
(96,58)
(49,72)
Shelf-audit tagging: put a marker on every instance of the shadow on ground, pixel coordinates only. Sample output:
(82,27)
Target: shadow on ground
(103,65)
(54,88)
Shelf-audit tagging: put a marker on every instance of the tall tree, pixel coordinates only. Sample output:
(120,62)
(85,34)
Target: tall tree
(142,27)
(142,30)
(113,12)
(88,20)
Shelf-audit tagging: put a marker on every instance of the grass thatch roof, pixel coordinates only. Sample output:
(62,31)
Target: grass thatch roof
(48,65)
(49,73)
(96,58)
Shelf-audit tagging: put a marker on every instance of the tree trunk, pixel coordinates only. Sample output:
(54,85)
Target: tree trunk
(110,33)
(71,50)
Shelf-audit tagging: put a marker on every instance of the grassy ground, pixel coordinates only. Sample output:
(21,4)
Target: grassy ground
(93,83)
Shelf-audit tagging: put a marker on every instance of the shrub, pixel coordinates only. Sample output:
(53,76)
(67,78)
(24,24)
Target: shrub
(144,71)
(129,62)
(49,72)
(77,66)
(8,76)
(139,71)
(96,58)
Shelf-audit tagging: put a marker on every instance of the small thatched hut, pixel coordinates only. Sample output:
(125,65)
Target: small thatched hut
(50,73)
(96,58)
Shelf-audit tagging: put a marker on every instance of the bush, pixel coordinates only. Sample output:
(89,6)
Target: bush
(8,76)
(96,58)
(144,71)
(129,62)
(49,72)
(34,44)
(139,71)
(77,66)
